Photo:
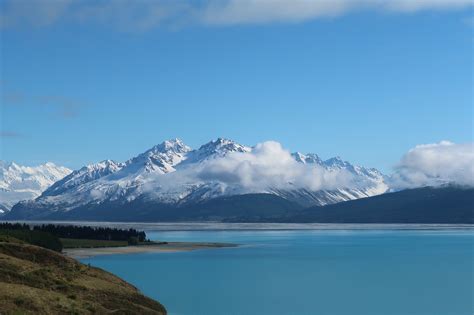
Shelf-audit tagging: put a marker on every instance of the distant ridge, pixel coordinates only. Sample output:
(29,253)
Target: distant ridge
(449,204)
(422,205)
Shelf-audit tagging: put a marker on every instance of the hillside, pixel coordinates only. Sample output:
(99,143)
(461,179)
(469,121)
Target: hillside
(422,205)
(34,280)
(249,206)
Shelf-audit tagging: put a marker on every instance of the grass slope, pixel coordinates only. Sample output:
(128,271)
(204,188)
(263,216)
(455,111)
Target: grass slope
(34,280)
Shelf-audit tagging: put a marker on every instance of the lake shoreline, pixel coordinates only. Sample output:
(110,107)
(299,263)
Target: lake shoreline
(226,226)
(166,247)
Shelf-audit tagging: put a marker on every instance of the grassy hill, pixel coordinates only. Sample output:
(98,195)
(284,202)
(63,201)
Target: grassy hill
(35,280)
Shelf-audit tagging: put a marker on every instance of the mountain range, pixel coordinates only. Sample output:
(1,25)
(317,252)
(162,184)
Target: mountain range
(172,175)
(219,181)
(23,182)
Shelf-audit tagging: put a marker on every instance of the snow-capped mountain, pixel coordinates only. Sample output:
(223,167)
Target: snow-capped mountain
(26,182)
(215,149)
(374,182)
(160,159)
(172,175)
(84,175)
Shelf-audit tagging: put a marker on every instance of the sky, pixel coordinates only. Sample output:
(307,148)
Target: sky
(365,80)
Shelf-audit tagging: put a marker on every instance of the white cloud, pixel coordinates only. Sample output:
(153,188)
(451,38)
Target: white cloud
(147,14)
(32,13)
(264,11)
(268,166)
(418,5)
(435,164)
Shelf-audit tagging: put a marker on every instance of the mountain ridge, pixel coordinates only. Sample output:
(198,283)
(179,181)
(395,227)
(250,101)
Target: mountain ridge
(19,182)
(445,204)
(172,173)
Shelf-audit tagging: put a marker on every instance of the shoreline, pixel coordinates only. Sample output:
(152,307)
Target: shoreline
(252,226)
(169,247)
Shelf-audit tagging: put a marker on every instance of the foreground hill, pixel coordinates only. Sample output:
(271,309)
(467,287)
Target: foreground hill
(421,205)
(34,280)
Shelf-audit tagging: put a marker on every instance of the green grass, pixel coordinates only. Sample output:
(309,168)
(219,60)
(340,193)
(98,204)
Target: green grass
(85,243)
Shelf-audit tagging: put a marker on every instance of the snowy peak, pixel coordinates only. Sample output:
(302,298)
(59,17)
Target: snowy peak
(19,182)
(103,167)
(14,176)
(221,147)
(86,174)
(216,148)
(310,158)
(175,146)
(336,162)
(160,159)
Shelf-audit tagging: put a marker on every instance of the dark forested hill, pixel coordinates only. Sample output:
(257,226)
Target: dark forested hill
(422,205)
(252,207)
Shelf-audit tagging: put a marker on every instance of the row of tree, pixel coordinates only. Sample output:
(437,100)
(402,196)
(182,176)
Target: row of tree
(80,232)
(23,233)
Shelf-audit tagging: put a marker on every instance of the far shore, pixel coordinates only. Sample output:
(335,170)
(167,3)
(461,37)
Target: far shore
(168,247)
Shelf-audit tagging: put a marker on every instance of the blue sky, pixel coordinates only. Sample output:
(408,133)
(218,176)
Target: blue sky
(363,83)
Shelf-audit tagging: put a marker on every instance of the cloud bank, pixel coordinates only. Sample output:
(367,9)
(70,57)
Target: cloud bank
(267,167)
(435,164)
(147,14)
(265,11)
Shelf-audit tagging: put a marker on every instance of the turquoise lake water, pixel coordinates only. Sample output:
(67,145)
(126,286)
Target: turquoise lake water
(308,272)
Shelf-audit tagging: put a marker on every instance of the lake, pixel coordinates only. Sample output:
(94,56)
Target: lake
(323,271)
